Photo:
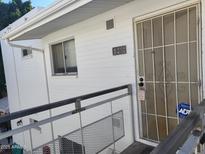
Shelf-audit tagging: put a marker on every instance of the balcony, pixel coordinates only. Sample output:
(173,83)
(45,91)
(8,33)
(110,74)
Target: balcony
(100,122)
(96,123)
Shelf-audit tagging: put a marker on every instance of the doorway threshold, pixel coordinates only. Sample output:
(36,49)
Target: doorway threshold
(138,148)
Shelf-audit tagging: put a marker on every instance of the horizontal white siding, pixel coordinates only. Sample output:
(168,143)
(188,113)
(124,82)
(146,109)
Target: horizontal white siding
(94,50)
(203,43)
(97,69)
(26,85)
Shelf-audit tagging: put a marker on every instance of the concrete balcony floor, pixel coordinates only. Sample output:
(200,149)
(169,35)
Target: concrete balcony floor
(138,148)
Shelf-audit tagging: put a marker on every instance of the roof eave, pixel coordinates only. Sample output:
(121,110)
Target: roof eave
(44,16)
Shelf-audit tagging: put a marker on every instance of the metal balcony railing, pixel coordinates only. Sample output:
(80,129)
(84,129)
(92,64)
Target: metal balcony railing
(88,124)
(185,139)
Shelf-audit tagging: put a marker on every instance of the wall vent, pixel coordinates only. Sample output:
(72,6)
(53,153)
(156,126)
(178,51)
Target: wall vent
(110,24)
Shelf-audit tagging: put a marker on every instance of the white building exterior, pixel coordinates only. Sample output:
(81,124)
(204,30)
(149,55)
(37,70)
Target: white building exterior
(98,69)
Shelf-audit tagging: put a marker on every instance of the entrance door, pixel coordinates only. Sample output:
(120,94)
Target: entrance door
(168,62)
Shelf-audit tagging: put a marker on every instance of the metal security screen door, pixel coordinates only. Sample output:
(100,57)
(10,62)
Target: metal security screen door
(169,66)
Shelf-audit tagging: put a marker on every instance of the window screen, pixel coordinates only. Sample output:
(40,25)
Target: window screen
(64,57)
(70,56)
(58,62)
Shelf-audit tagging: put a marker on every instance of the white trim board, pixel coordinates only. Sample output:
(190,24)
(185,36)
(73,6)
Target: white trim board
(166,10)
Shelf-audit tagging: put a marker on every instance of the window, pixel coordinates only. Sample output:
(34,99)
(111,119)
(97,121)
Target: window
(64,58)
(26,52)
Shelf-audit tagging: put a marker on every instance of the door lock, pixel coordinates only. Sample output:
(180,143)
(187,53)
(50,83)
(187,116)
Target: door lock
(141,82)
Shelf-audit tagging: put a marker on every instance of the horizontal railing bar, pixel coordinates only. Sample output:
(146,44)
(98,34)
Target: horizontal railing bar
(105,101)
(191,143)
(57,117)
(176,139)
(46,107)
(34,125)
(180,134)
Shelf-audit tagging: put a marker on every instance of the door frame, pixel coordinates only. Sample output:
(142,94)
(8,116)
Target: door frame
(164,11)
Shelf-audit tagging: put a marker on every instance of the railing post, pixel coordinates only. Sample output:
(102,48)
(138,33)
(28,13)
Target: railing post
(60,144)
(130,91)
(31,141)
(113,130)
(78,105)
(78,109)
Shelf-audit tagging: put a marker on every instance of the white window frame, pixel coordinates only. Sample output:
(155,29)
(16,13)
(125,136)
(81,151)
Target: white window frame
(51,58)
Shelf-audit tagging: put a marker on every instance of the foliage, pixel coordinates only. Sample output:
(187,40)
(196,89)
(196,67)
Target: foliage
(9,12)
(2,77)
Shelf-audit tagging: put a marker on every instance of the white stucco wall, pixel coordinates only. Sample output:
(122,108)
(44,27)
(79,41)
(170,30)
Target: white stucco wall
(97,69)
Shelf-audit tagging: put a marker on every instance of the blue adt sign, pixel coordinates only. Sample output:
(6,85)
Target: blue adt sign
(183,109)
